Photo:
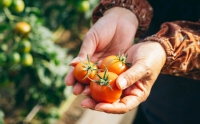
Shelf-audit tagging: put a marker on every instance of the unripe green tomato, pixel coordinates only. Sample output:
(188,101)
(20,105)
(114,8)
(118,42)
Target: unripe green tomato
(27,59)
(5,3)
(24,46)
(17,6)
(83,6)
(14,58)
(3,47)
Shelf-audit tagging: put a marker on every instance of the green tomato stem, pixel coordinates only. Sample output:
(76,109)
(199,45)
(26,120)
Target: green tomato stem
(10,16)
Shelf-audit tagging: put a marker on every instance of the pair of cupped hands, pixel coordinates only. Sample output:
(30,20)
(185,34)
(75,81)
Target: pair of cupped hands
(109,35)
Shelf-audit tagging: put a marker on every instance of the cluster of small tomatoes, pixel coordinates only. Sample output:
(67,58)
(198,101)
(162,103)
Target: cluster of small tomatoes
(16,51)
(17,6)
(102,79)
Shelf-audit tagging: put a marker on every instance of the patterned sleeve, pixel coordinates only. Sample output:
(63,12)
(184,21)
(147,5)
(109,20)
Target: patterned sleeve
(181,41)
(141,8)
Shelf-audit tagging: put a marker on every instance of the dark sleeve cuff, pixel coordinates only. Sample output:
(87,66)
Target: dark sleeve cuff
(141,8)
(181,41)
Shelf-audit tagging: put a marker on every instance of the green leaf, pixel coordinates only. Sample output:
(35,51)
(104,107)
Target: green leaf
(43,77)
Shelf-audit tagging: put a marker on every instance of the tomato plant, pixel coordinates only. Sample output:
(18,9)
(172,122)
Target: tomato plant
(84,71)
(115,63)
(3,59)
(103,87)
(35,34)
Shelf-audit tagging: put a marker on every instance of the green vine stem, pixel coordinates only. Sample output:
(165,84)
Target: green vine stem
(10,16)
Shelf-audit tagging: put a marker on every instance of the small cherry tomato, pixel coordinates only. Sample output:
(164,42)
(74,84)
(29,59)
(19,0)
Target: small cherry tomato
(14,58)
(5,3)
(22,29)
(17,6)
(83,6)
(24,46)
(115,63)
(27,59)
(84,71)
(104,89)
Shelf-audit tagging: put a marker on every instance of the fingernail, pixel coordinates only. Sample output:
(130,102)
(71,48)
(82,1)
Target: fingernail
(98,110)
(123,83)
(83,106)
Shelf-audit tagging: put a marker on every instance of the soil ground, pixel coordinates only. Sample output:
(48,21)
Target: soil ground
(78,115)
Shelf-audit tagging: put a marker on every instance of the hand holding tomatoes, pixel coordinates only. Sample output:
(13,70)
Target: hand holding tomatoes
(115,63)
(147,60)
(108,36)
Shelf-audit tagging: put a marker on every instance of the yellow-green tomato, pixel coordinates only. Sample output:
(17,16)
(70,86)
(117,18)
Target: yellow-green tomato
(17,6)
(5,3)
(83,6)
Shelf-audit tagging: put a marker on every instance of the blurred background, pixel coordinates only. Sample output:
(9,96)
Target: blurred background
(38,39)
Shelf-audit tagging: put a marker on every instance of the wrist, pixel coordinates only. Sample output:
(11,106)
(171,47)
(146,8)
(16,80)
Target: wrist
(161,53)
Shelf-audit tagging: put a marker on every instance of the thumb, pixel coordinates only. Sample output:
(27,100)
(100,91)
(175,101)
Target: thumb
(138,71)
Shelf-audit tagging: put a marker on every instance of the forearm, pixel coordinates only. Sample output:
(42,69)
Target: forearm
(181,41)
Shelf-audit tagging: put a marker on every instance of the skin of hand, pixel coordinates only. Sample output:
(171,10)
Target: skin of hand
(113,32)
(147,60)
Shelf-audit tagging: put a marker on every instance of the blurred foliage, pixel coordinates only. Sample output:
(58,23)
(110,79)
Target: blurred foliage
(32,65)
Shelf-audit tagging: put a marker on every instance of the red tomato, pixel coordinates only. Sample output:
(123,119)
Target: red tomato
(116,64)
(104,89)
(84,71)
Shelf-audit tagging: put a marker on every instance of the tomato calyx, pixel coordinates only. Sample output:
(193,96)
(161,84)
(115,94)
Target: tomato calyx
(122,58)
(88,67)
(103,81)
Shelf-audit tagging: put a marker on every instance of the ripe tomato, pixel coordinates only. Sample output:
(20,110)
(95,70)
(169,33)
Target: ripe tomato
(22,29)
(84,71)
(5,3)
(17,6)
(115,63)
(104,89)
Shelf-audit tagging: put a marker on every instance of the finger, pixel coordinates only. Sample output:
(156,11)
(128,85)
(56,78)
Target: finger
(88,103)
(138,71)
(125,105)
(132,97)
(78,88)
(69,79)
(86,91)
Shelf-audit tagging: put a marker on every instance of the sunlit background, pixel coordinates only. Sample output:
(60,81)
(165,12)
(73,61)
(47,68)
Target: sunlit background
(38,39)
